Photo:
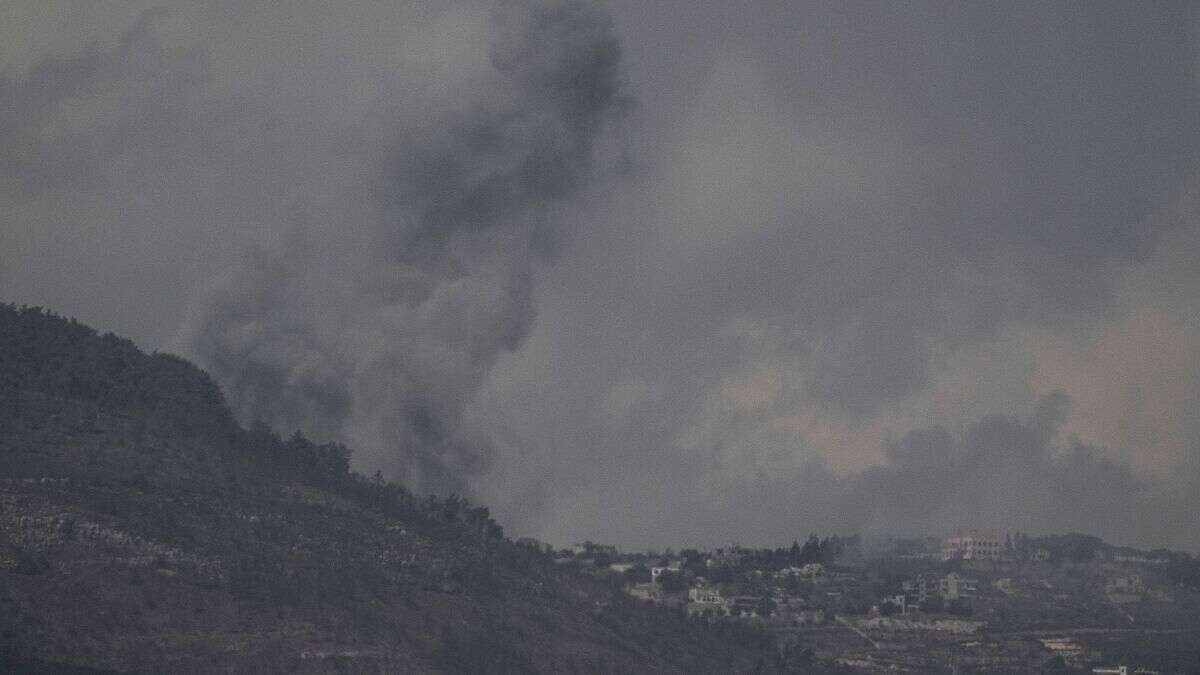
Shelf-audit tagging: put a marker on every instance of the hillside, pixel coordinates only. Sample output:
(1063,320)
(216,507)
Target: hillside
(142,529)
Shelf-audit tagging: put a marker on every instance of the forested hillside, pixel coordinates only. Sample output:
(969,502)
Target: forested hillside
(142,529)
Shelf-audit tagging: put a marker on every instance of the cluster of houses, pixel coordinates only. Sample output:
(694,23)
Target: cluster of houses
(808,585)
(975,546)
(702,598)
(932,593)
(784,587)
(923,593)
(777,597)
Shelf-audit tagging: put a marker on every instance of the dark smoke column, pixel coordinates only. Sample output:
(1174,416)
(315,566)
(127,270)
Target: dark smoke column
(384,345)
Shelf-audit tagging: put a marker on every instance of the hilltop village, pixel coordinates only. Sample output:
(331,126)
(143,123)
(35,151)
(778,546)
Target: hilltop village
(976,600)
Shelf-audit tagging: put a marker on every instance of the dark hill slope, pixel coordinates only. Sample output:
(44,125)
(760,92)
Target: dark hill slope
(142,529)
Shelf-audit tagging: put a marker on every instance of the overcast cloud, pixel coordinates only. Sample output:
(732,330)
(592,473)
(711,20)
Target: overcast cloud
(651,273)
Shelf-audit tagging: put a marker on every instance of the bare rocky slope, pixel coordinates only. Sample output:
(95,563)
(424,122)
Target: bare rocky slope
(143,530)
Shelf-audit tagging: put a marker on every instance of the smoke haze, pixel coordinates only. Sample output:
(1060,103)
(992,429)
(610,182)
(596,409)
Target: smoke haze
(649,273)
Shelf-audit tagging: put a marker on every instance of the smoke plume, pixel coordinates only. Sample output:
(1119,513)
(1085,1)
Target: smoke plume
(384,343)
(858,249)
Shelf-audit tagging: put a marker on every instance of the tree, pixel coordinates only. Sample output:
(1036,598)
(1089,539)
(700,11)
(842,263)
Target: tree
(451,508)
(693,562)
(1055,665)
(831,548)
(1081,553)
(959,608)
(31,562)
(765,607)
(811,551)
(722,574)
(931,605)
(638,574)
(672,582)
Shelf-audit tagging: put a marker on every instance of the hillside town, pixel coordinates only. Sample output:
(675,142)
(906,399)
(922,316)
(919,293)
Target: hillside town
(976,600)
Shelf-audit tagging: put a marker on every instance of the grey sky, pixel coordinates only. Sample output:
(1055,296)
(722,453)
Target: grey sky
(654,273)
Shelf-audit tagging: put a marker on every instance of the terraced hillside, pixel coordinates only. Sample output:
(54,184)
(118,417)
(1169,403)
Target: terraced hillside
(142,529)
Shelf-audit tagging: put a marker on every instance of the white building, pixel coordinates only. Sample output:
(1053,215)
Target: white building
(899,600)
(973,546)
(809,571)
(658,571)
(919,590)
(589,548)
(648,592)
(706,600)
(953,586)
(705,594)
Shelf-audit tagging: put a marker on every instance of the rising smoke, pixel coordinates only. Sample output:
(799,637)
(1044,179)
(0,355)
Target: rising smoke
(462,210)
(1006,473)
(842,223)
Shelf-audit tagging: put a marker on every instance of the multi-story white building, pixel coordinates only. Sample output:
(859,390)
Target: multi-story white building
(920,589)
(705,600)
(973,546)
(953,586)
(705,594)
